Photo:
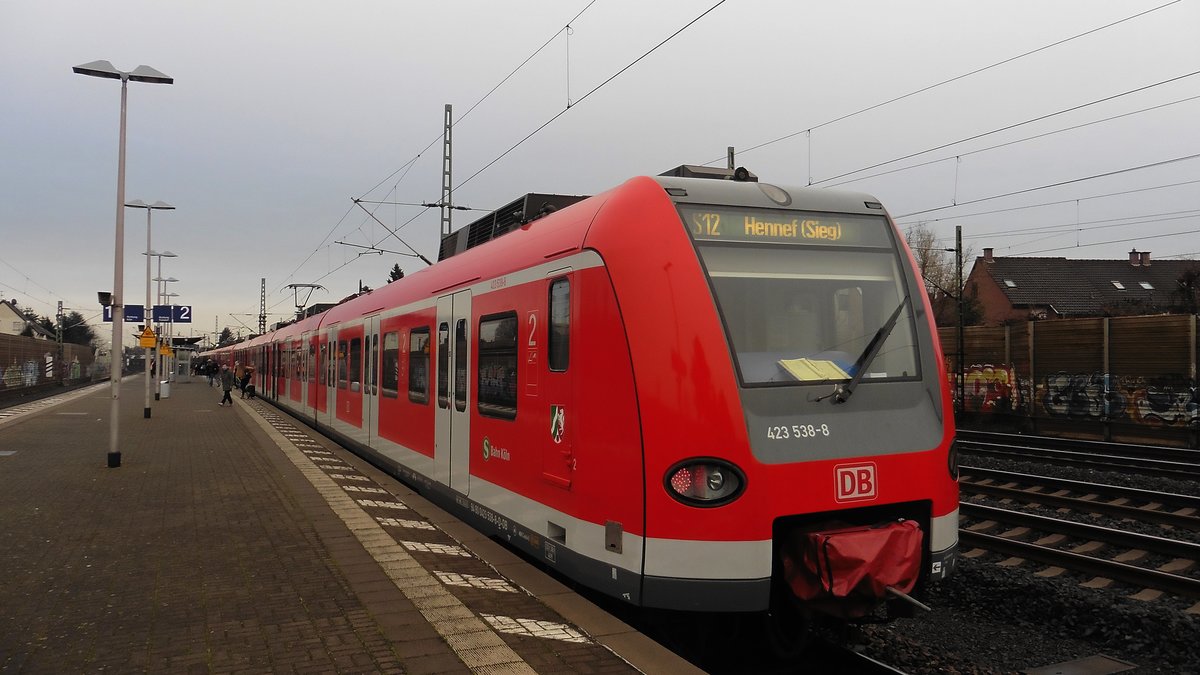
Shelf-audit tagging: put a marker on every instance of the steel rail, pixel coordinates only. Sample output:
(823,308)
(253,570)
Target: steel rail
(1103,489)
(1163,452)
(1144,542)
(1143,466)
(1181,521)
(1159,517)
(1109,569)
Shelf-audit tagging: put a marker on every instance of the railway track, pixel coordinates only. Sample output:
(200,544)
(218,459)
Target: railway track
(1051,533)
(1172,510)
(1151,460)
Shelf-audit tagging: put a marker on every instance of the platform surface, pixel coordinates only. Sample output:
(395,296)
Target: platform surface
(235,539)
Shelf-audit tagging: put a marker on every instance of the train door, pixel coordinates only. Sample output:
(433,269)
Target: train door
(349,377)
(276,355)
(320,399)
(295,372)
(370,386)
(452,451)
(547,355)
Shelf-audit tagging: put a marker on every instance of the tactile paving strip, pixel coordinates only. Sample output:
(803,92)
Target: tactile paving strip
(463,594)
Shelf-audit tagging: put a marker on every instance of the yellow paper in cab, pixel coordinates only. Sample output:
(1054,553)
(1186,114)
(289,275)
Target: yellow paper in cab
(807,370)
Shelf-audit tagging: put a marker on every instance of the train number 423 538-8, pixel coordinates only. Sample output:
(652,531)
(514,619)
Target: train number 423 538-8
(798,431)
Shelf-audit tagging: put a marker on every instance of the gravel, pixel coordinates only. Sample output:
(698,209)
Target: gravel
(992,619)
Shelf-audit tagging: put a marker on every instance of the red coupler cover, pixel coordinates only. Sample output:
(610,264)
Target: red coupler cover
(860,562)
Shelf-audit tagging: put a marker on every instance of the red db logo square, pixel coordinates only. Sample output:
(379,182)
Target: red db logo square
(855,482)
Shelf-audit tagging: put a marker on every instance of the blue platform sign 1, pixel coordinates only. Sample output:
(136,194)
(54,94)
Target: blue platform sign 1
(132,313)
(181,313)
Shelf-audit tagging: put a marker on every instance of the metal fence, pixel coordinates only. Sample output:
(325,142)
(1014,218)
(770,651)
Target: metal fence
(1126,378)
(29,362)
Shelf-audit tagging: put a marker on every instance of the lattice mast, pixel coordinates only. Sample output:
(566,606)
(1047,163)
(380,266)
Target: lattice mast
(446,185)
(262,306)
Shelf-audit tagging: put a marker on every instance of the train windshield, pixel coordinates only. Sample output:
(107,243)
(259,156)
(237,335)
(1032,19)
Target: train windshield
(806,312)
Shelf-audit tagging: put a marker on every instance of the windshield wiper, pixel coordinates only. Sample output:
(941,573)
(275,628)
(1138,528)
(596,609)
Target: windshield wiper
(842,393)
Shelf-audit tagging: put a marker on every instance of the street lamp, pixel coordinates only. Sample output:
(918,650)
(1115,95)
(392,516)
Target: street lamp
(159,292)
(162,288)
(167,366)
(162,206)
(140,74)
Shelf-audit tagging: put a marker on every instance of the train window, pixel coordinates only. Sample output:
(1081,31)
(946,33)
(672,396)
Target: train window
(355,364)
(311,361)
(803,315)
(373,369)
(342,375)
(321,367)
(560,324)
(390,360)
(497,387)
(460,365)
(418,365)
(443,374)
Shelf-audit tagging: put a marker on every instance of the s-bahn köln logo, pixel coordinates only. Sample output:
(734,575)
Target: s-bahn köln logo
(855,482)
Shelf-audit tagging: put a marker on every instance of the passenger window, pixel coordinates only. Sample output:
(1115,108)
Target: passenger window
(560,325)
(418,365)
(373,363)
(497,387)
(356,364)
(321,367)
(443,365)
(460,365)
(391,364)
(341,365)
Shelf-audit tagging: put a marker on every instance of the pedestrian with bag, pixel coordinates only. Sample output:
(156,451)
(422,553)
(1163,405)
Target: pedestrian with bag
(227,381)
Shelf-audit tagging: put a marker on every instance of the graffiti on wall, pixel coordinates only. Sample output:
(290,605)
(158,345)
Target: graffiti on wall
(991,389)
(1160,401)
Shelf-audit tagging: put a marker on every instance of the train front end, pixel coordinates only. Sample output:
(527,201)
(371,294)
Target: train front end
(797,425)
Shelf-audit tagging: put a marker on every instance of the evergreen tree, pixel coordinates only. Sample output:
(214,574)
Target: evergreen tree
(396,273)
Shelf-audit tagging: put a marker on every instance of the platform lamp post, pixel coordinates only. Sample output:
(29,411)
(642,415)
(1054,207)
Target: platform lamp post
(140,74)
(159,293)
(168,365)
(150,208)
(162,292)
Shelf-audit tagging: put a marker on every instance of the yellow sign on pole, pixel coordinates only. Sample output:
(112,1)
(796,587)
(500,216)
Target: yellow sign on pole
(147,339)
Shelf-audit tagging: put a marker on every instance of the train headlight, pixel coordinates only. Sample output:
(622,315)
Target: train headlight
(952,459)
(704,481)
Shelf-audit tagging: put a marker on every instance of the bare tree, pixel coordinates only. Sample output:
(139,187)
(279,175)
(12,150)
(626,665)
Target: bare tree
(936,263)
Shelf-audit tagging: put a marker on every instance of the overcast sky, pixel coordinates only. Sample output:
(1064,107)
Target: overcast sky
(282,112)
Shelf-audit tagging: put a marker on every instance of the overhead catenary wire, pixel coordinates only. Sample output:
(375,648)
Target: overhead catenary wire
(960,155)
(1051,185)
(1009,127)
(989,212)
(483,98)
(590,92)
(407,166)
(950,80)
(1114,241)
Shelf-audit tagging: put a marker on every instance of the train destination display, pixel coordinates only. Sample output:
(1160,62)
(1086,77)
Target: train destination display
(722,223)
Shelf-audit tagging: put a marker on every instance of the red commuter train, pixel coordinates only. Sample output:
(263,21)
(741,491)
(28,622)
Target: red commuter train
(697,393)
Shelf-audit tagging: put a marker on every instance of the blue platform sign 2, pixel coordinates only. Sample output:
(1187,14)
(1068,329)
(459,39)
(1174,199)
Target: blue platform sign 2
(161,314)
(172,314)
(132,313)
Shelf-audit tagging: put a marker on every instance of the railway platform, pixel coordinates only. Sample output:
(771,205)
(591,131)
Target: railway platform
(235,539)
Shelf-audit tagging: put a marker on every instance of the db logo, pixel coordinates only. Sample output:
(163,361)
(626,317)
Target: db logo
(855,482)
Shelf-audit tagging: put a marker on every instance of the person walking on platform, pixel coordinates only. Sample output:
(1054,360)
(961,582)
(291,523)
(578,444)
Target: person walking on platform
(226,385)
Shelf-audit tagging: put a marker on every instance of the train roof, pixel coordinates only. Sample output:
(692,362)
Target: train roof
(540,227)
